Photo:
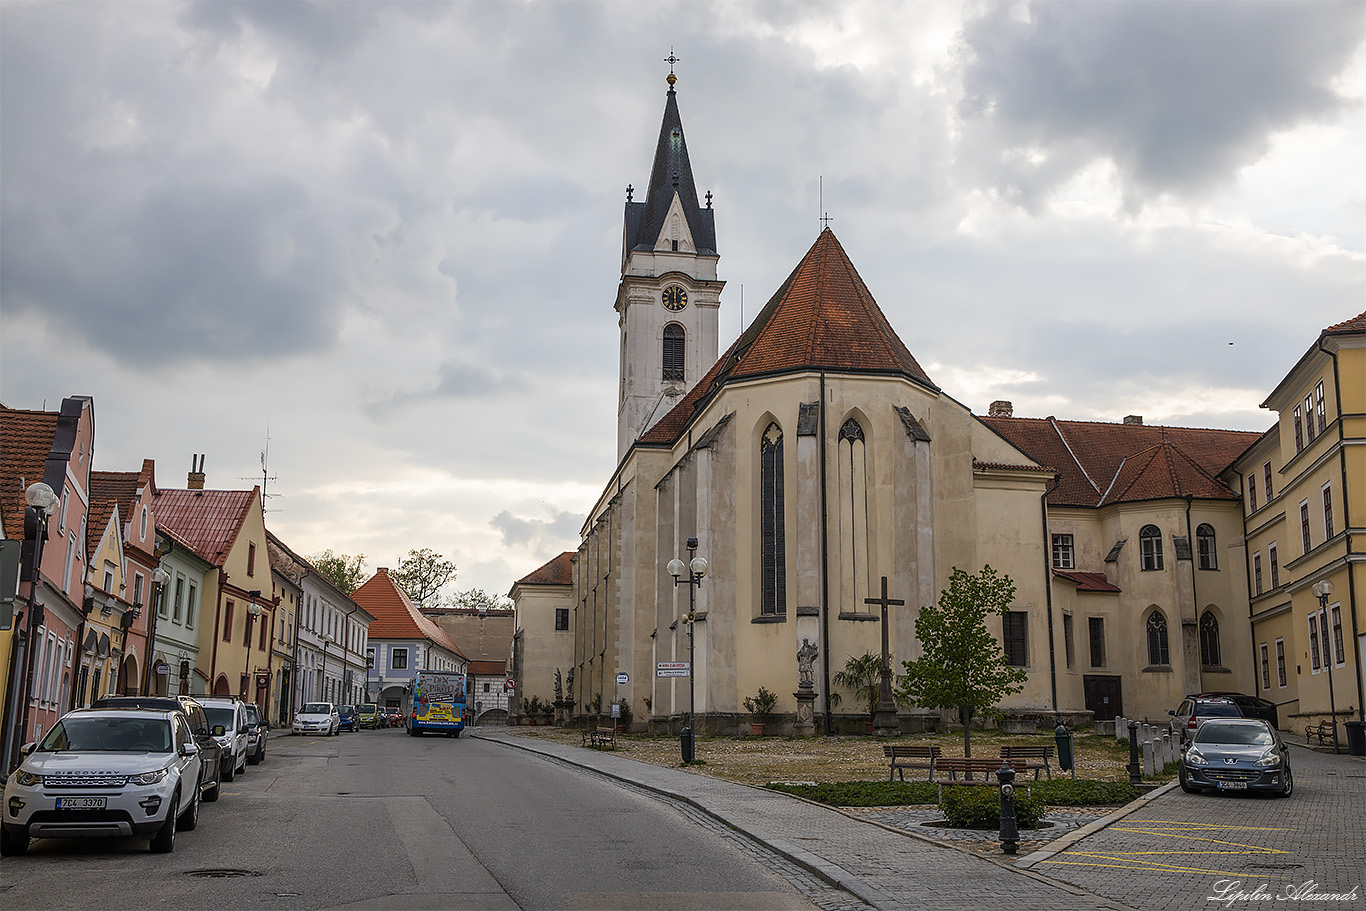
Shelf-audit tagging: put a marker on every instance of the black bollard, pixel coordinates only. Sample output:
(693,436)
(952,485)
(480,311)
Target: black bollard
(1010,830)
(1135,770)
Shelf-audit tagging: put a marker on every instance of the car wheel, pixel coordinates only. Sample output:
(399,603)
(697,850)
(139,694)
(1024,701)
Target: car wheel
(12,843)
(261,755)
(189,820)
(164,841)
(1288,787)
(456,734)
(229,770)
(243,767)
(212,791)
(251,758)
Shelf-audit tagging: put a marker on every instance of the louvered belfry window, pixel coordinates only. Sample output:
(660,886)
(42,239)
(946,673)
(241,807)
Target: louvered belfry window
(772,527)
(673,352)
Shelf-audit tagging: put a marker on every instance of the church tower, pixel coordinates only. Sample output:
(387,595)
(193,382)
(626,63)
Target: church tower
(669,295)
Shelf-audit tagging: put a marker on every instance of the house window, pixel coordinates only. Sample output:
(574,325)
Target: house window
(61,518)
(1319,414)
(1275,566)
(179,596)
(1314,641)
(398,659)
(1096,628)
(1266,480)
(1251,494)
(1067,637)
(1304,526)
(265,633)
(1280,663)
(1158,653)
(1150,548)
(561,618)
(247,623)
(772,525)
(1209,640)
(227,623)
(1204,543)
(251,558)
(138,581)
(1265,655)
(1299,430)
(109,578)
(142,525)
(1310,430)
(1339,656)
(1063,555)
(191,606)
(1257,573)
(673,352)
(1327,511)
(1015,626)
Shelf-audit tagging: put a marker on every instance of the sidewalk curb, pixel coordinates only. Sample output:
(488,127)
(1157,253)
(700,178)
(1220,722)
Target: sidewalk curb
(1071,838)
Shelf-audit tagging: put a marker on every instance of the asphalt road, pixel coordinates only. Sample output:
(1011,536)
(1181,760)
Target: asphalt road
(378,819)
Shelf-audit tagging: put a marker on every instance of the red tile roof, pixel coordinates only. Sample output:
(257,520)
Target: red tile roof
(1099,464)
(557,572)
(396,617)
(823,317)
(488,668)
(1087,582)
(25,440)
(97,520)
(1355,324)
(207,520)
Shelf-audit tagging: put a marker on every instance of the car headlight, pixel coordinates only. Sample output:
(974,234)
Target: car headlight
(1193,757)
(27,779)
(1269,759)
(147,778)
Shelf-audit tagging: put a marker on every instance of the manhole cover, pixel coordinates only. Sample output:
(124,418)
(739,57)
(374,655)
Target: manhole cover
(1274,866)
(223,872)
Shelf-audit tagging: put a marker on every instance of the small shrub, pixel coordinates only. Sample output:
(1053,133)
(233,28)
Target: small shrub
(1063,792)
(863,793)
(977,807)
(762,703)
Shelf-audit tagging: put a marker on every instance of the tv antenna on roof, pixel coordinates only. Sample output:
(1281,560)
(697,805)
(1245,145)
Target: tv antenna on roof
(266,476)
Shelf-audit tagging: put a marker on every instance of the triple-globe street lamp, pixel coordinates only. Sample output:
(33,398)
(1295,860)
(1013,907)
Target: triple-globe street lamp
(697,568)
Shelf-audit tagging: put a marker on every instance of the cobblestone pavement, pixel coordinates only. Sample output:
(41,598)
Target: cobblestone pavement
(1181,849)
(883,867)
(921,821)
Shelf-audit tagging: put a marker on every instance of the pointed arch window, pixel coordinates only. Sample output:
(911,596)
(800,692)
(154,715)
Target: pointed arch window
(853,518)
(673,352)
(1204,544)
(1158,652)
(1150,548)
(772,525)
(1209,640)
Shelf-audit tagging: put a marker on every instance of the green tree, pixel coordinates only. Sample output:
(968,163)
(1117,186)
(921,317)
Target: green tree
(863,675)
(962,665)
(476,598)
(422,573)
(343,571)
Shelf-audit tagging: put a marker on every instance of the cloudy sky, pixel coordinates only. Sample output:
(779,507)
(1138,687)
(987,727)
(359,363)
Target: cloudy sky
(386,237)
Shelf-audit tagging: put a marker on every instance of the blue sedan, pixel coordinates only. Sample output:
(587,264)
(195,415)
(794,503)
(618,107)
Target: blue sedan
(1237,754)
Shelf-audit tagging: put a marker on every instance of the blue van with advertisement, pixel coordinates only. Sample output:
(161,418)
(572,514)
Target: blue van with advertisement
(435,701)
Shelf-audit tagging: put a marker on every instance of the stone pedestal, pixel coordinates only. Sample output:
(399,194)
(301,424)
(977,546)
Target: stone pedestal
(805,725)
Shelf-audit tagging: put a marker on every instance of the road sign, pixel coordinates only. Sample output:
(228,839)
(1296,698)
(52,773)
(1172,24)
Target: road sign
(622,678)
(673,669)
(511,684)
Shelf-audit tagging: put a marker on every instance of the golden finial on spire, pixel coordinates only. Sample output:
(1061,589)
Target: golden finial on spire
(671,60)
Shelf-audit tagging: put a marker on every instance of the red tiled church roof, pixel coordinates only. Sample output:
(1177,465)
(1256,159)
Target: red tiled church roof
(823,317)
(396,617)
(206,520)
(1099,464)
(557,572)
(25,440)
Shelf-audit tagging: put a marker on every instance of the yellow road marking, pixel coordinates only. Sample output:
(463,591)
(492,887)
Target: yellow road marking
(1130,860)
(1155,868)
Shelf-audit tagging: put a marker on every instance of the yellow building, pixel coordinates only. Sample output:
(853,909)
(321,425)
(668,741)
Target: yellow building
(1304,504)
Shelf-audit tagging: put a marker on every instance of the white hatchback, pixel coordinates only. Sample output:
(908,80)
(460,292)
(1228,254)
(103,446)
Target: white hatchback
(317,718)
(105,772)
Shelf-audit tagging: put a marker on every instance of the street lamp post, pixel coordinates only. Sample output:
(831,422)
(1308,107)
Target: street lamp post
(159,580)
(322,675)
(1322,589)
(369,665)
(41,504)
(697,568)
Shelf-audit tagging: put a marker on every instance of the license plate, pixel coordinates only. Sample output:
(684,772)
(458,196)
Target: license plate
(80,803)
(1233,785)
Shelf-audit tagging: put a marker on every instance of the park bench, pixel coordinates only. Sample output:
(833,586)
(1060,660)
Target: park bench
(986,767)
(906,756)
(1036,758)
(1323,731)
(602,733)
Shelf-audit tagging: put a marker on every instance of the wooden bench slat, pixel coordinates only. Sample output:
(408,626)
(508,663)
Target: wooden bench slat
(909,756)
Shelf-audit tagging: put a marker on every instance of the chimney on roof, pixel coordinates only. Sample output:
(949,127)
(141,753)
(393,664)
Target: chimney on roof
(1001,409)
(1133,419)
(195,481)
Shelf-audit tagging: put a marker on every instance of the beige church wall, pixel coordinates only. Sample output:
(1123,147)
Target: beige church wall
(544,649)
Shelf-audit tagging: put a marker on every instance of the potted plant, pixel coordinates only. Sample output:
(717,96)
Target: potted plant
(863,675)
(624,719)
(760,706)
(548,712)
(532,709)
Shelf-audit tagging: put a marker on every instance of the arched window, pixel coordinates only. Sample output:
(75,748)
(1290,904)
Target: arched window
(1209,640)
(772,527)
(1204,545)
(673,352)
(1157,639)
(853,516)
(1150,547)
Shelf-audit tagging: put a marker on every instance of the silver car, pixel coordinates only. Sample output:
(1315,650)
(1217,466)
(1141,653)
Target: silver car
(317,718)
(1237,754)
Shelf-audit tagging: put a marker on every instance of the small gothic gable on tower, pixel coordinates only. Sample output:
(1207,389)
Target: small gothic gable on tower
(675,236)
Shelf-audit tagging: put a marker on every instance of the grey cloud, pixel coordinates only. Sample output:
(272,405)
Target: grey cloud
(516,531)
(1179,95)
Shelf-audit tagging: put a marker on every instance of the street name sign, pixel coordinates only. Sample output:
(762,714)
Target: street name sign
(673,669)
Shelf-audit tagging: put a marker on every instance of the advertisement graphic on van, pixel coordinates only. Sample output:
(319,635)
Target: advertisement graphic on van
(435,701)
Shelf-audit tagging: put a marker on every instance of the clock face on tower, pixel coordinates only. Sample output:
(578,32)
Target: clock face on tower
(674,298)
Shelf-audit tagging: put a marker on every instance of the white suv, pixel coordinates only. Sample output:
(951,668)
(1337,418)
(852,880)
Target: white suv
(105,772)
(230,713)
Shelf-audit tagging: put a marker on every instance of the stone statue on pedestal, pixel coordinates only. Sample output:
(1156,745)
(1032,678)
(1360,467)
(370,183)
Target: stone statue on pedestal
(806,658)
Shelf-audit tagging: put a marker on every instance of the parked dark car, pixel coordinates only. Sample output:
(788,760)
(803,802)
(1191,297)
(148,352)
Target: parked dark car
(1237,754)
(1251,706)
(348,716)
(1195,709)
(258,732)
(210,753)
(395,716)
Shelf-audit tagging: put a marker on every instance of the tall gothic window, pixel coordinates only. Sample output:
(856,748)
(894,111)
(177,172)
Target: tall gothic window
(673,352)
(772,531)
(853,506)
(1158,652)
(1209,640)
(1204,542)
(1150,547)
